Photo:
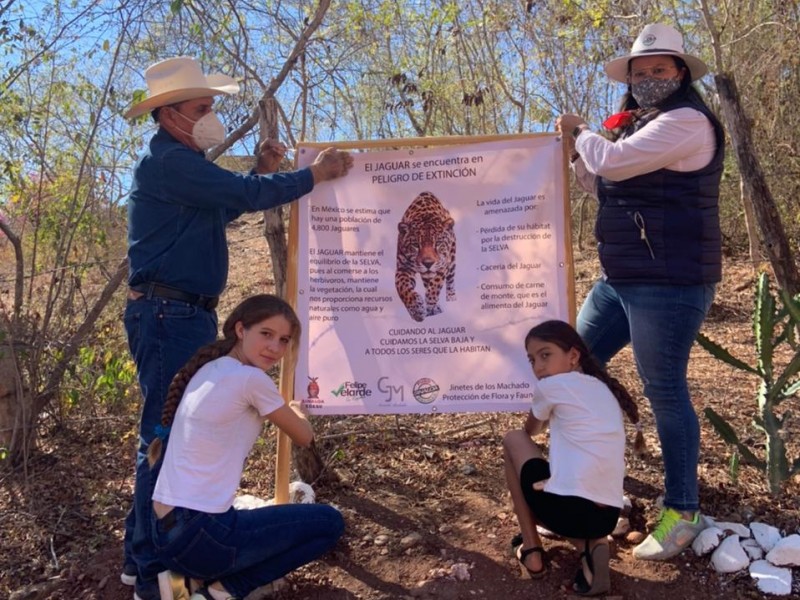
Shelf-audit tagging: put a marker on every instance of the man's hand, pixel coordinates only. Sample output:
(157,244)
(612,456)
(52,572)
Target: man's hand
(330,164)
(269,155)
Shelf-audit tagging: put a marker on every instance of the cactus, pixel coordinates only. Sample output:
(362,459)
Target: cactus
(773,326)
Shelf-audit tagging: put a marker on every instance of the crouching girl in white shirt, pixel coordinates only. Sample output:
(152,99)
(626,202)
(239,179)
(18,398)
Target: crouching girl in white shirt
(214,412)
(578,493)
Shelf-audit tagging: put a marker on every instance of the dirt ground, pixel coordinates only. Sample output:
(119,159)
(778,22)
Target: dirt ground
(439,477)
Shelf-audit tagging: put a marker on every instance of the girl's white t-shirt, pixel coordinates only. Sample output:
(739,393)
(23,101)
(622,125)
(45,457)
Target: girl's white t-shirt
(587,437)
(217,422)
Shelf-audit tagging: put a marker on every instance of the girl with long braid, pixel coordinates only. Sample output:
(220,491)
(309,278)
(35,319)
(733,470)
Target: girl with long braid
(214,412)
(578,493)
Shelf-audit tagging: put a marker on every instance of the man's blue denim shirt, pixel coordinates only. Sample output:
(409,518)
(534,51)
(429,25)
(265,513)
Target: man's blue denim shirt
(178,208)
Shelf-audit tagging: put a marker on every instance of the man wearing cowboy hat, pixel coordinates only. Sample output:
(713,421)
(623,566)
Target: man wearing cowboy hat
(178,208)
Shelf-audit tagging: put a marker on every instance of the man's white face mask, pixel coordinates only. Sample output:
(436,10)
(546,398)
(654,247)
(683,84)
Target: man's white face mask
(207,132)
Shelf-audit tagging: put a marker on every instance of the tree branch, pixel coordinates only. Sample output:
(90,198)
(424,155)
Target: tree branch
(19,277)
(72,346)
(277,81)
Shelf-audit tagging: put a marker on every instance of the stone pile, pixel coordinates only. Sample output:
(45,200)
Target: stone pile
(760,548)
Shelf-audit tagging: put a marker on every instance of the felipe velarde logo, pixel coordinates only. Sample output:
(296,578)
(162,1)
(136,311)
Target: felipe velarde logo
(649,40)
(425,390)
(352,390)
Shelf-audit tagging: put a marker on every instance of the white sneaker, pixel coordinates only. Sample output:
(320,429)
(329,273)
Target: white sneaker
(670,537)
(128,575)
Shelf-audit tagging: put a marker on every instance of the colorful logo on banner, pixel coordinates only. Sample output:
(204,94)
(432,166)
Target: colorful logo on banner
(425,390)
(352,390)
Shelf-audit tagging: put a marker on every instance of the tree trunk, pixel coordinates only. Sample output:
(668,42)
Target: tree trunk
(307,461)
(755,185)
(274,229)
(753,246)
(14,398)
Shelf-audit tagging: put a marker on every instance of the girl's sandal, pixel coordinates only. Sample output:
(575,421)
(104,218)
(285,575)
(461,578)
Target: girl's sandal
(597,561)
(523,554)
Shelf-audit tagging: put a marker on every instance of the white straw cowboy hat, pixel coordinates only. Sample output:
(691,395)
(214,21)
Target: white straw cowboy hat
(656,38)
(178,79)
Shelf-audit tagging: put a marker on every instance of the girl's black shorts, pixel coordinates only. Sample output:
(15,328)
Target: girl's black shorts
(569,516)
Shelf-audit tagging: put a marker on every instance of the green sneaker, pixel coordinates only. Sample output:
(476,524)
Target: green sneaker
(672,534)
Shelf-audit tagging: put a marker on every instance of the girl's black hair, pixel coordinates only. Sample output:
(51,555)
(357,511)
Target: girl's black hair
(564,336)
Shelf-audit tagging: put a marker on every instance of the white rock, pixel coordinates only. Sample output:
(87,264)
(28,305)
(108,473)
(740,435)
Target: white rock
(460,571)
(786,553)
(770,579)
(753,550)
(741,530)
(623,527)
(729,557)
(246,502)
(766,535)
(544,532)
(412,539)
(301,493)
(707,540)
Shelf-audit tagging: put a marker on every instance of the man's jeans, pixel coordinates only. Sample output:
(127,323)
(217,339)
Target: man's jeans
(245,549)
(661,323)
(162,336)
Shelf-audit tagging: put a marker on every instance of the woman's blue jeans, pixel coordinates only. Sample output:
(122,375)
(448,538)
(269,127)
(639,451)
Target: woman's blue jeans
(245,549)
(661,323)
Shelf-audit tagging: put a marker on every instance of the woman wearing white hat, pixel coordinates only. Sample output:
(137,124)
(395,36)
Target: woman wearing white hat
(178,209)
(657,183)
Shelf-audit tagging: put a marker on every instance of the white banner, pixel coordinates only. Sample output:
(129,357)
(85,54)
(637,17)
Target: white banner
(421,272)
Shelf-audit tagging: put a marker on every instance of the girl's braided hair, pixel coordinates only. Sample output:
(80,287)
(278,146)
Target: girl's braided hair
(249,312)
(565,337)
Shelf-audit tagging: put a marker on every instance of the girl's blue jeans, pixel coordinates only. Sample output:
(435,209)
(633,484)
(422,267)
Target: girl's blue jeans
(661,323)
(245,549)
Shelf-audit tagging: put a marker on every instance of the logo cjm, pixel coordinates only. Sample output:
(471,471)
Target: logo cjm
(394,392)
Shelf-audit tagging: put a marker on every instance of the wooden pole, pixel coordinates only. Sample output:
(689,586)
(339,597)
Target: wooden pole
(569,264)
(283,454)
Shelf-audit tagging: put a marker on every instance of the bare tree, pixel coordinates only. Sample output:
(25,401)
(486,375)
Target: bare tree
(757,190)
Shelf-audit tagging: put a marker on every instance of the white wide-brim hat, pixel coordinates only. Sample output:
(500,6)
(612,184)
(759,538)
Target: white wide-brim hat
(656,39)
(178,79)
